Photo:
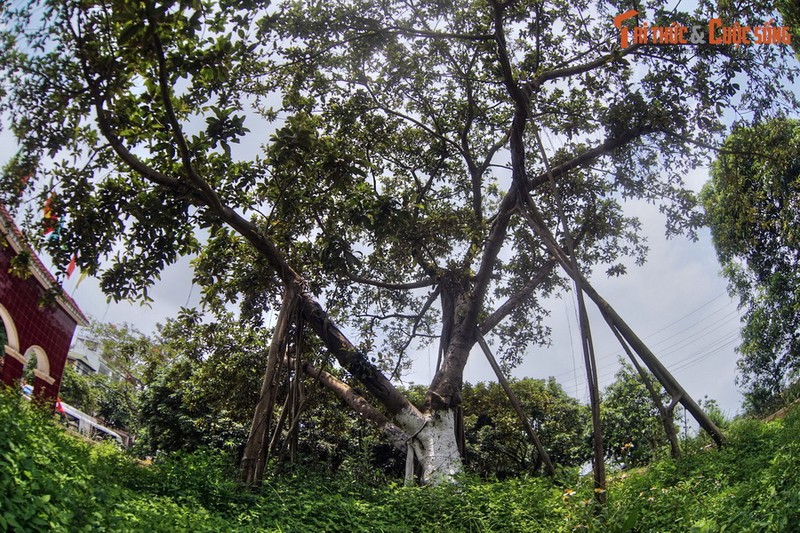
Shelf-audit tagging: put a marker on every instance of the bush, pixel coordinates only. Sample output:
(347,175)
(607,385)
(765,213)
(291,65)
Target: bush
(51,480)
(43,472)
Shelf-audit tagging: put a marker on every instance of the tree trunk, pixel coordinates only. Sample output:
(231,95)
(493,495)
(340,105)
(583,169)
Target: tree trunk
(432,436)
(436,447)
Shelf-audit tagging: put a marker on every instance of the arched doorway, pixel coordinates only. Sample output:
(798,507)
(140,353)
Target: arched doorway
(8,331)
(9,342)
(37,370)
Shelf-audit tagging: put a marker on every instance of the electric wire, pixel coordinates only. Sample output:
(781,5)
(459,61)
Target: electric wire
(679,346)
(617,352)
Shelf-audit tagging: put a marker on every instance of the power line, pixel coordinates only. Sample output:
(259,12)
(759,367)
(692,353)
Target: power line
(700,354)
(618,352)
(690,313)
(685,341)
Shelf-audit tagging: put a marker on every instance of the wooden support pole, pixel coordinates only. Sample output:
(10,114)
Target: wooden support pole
(594,396)
(664,413)
(659,370)
(590,361)
(650,360)
(517,405)
(255,451)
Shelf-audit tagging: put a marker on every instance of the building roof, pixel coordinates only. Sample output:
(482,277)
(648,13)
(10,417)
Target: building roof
(83,358)
(17,240)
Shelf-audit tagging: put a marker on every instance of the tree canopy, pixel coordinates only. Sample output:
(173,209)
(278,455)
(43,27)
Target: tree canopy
(407,145)
(753,207)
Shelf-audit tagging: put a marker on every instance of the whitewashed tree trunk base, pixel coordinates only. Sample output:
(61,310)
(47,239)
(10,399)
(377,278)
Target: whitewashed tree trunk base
(436,449)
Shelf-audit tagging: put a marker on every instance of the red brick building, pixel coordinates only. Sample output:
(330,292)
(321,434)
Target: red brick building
(30,328)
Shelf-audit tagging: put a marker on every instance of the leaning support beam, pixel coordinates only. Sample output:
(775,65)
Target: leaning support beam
(517,406)
(255,451)
(650,360)
(659,370)
(664,413)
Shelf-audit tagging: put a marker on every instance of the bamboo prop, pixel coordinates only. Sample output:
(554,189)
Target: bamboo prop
(664,413)
(590,361)
(517,406)
(254,458)
(667,380)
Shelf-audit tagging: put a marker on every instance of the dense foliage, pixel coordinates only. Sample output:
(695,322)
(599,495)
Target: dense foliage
(203,392)
(753,208)
(497,446)
(632,426)
(50,480)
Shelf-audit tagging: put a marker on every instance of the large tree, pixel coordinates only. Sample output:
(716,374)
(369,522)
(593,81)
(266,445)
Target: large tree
(389,202)
(632,422)
(496,445)
(753,206)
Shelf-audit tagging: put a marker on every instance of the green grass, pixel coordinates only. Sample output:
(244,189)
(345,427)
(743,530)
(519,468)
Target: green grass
(50,480)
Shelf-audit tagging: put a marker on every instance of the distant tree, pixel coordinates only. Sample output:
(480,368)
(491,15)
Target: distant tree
(711,406)
(117,402)
(752,204)
(204,392)
(79,390)
(632,427)
(497,446)
(131,356)
(790,11)
(126,350)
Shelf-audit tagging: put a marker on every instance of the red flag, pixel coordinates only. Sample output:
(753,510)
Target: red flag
(71,267)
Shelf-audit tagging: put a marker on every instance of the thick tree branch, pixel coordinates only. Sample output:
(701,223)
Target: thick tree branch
(210,195)
(519,96)
(412,32)
(106,129)
(591,155)
(565,72)
(393,286)
(355,401)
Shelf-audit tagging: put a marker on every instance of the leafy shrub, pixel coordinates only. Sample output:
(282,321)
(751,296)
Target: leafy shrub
(42,472)
(51,480)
